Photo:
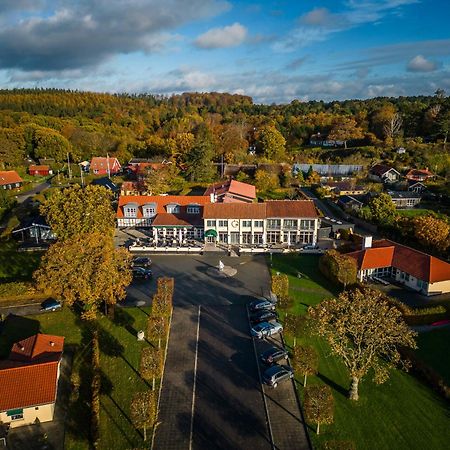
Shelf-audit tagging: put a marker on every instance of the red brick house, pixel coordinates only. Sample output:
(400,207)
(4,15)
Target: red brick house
(99,166)
(42,171)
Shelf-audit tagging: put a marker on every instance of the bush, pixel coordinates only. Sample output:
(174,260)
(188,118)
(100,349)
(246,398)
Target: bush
(96,381)
(419,316)
(280,286)
(16,288)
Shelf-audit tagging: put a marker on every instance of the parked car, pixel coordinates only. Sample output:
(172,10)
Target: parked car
(273,355)
(263,315)
(50,305)
(260,304)
(141,272)
(265,329)
(273,375)
(311,247)
(141,261)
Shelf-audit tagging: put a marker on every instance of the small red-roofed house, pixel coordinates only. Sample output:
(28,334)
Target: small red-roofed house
(232,191)
(99,166)
(10,179)
(29,380)
(41,170)
(410,267)
(419,175)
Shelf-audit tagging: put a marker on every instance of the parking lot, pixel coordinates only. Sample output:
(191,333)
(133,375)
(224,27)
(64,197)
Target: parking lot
(211,393)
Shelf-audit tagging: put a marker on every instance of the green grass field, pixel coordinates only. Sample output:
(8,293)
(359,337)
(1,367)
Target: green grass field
(414,212)
(433,350)
(14,265)
(399,414)
(119,360)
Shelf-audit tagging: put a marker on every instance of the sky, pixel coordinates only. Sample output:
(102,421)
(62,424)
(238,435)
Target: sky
(273,51)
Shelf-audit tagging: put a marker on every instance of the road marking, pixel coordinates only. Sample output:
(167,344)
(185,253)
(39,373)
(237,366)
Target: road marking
(195,379)
(266,409)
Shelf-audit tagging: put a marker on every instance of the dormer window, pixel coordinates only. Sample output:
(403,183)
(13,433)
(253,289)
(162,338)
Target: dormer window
(173,208)
(130,210)
(149,210)
(193,209)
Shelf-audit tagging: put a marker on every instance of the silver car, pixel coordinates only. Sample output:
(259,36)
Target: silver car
(266,329)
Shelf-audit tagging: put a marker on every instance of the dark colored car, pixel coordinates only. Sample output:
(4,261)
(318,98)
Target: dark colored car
(260,304)
(140,272)
(273,355)
(263,315)
(142,261)
(273,375)
(50,305)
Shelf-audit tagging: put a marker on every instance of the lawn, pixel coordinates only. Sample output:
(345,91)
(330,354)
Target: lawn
(433,350)
(119,361)
(400,414)
(414,212)
(14,265)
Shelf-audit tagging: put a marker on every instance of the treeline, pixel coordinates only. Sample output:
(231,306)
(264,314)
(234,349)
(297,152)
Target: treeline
(51,123)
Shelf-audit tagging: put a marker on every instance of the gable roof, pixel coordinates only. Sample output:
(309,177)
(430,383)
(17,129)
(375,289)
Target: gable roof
(420,172)
(100,162)
(233,187)
(9,177)
(403,194)
(33,168)
(28,385)
(385,253)
(269,209)
(37,348)
(381,169)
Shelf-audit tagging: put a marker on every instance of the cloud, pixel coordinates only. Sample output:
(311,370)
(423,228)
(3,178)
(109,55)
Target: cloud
(296,63)
(421,64)
(81,33)
(318,24)
(229,36)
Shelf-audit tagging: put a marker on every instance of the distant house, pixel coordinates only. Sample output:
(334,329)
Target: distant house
(106,183)
(104,166)
(401,151)
(346,187)
(322,140)
(350,203)
(405,199)
(416,186)
(29,380)
(41,170)
(84,166)
(419,175)
(414,269)
(384,173)
(10,179)
(232,191)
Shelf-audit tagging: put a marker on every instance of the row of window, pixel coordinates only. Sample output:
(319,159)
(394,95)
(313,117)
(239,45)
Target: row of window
(272,237)
(150,210)
(274,224)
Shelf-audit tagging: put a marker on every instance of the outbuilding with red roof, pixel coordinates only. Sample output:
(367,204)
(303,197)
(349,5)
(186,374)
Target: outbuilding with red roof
(10,179)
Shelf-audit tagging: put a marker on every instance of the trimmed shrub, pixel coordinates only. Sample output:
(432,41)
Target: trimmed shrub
(280,286)
(96,382)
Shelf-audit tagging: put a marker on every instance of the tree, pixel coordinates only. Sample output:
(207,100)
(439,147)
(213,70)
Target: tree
(199,158)
(49,143)
(157,328)
(152,361)
(280,285)
(432,232)
(12,147)
(143,410)
(86,269)
(345,129)
(305,360)
(163,180)
(339,268)
(382,209)
(319,405)
(272,143)
(365,331)
(293,324)
(266,181)
(75,211)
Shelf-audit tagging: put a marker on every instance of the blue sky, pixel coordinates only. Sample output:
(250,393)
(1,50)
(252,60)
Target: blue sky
(274,51)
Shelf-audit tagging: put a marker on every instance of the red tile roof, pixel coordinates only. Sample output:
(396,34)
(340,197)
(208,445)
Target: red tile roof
(28,385)
(41,167)
(38,348)
(161,202)
(415,174)
(233,187)
(9,177)
(273,208)
(101,163)
(385,253)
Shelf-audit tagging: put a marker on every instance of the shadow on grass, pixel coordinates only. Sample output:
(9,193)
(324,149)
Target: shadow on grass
(15,329)
(333,384)
(123,319)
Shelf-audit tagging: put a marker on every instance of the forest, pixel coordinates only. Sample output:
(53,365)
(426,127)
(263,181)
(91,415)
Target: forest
(194,129)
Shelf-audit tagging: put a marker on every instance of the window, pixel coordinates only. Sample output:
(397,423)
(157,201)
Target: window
(223,237)
(223,223)
(307,224)
(273,237)
(193,209)
(258,238)
(130,211)
(246,223)
(258,223)
(246,238)
(17,417)
(210,223)
(234,238)
(274,224)
(149,211)
(290,224)
(305,237)
(173,209)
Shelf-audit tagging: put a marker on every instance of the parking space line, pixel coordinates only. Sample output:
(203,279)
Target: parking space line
(266,409)
(195,379)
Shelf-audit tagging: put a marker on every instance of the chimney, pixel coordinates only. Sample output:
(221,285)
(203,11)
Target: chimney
(212,197)
(366,242)
(21,348)
(52,344)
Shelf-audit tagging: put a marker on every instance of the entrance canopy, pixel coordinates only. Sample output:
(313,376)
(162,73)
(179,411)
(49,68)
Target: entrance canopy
(211,232)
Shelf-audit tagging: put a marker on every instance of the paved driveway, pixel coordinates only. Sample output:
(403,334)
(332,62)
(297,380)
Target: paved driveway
(211,395)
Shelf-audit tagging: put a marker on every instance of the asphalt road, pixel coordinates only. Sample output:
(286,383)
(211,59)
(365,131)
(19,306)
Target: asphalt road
(211,395)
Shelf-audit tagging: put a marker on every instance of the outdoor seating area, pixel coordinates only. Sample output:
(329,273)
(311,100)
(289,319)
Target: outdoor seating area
(168,245)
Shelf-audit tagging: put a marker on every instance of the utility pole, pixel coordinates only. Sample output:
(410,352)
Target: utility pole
(81,173)
(107,166)
(68,166)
